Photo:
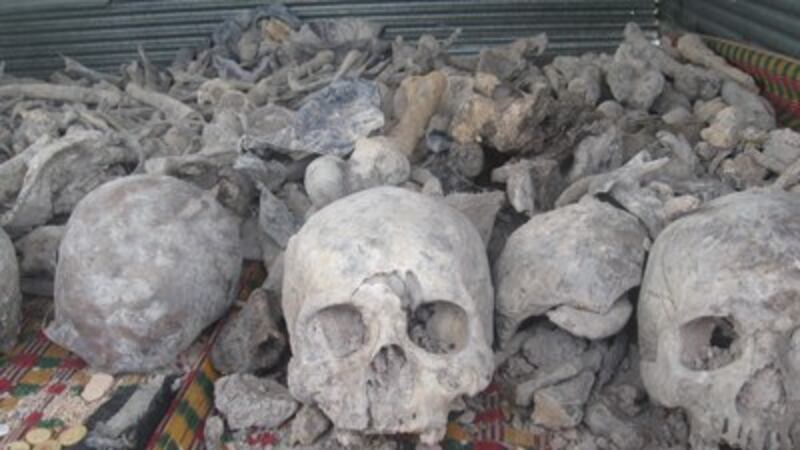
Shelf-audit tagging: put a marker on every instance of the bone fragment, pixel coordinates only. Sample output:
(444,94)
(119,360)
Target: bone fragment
(77,94)
(172,108)
(692,48)
(422,95)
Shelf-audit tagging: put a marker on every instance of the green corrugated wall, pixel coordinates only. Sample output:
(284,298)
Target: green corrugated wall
(771,24)
(105,33)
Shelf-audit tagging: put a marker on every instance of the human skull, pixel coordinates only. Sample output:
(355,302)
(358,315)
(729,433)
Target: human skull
(576,264)
(388,302)
(719,317)
(146,263)
(10,295)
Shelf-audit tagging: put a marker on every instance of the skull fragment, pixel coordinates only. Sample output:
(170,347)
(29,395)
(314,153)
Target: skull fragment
(575,264)
(388,303)
(146,263)
(10,295)
(719,321)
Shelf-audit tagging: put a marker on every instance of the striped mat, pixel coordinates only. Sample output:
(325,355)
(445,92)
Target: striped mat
(41,383)
(777,75)
(182,427)
(490,430)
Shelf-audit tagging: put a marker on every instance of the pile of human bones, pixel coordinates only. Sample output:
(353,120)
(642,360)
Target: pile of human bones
(612,239)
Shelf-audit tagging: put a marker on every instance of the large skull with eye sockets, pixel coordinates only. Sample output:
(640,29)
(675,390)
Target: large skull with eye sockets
(719,318)
(575,264)
(388,302)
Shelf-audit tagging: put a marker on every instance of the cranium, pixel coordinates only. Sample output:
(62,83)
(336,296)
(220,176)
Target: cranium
(10,295)
(146,263)
(388,303)
(575,264)
(718,321)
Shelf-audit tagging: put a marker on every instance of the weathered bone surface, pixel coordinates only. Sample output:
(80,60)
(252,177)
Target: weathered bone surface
(480,208)
(57,175)
(375,161)
(550,356)
(693,81)
(38,251)
(145,264)
(249,401)
(388,302)
(47,91)
(692,48)
(419,97)
(379,160)
(619,412)
(331,120)
(583,257)
(10,295)
(251,341)
(718,317)
(781,149)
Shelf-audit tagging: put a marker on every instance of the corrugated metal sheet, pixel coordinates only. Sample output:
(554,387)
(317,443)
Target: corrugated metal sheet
(105,33)
(772,24)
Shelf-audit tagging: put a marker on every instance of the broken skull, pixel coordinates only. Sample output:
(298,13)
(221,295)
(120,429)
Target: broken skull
(575,264)
(719,321)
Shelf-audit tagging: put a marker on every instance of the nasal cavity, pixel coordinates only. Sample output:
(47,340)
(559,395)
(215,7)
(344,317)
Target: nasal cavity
(389,360)
(763,392)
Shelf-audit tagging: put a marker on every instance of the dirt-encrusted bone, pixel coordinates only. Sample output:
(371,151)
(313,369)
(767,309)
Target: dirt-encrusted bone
(388,301)
(10,295)
(585,256)
(710,320)
(146,263)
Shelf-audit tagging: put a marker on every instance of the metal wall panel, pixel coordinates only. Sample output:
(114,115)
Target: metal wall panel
(105,33)
(772,24)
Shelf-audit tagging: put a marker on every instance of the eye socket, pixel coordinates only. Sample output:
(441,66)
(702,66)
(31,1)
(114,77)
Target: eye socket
(439,327)
(339,329)
(709,343)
